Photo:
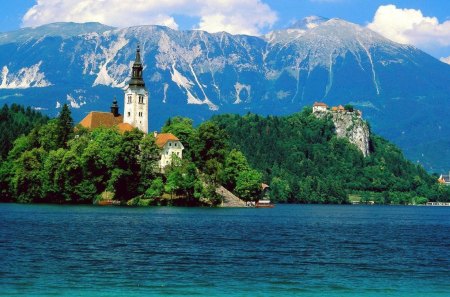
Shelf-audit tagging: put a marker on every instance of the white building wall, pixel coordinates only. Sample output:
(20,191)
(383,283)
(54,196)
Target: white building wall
(136,111)
(171,147)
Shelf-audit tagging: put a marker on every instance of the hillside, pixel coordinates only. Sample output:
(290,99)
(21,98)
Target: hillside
(403,91)
(304,161)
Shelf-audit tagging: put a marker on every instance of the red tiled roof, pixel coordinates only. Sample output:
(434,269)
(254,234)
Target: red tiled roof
(97,119)
(163,138)
(320,104)
(124,127)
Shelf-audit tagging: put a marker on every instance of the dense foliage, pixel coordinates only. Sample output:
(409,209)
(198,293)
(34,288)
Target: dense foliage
(56,163)
(304,162)
(15,121)
(299,156)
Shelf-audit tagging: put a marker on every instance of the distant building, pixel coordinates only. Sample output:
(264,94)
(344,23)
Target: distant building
(340,108)
(320,107)
(444,179)
(169,145)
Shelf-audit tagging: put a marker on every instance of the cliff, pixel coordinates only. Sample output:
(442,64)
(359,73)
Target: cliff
(351,126)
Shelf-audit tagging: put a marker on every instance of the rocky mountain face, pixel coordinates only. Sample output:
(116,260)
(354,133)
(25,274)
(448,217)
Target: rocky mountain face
(351,126)
(403,92)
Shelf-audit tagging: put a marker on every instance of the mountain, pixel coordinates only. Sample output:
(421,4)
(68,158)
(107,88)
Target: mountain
(403,91)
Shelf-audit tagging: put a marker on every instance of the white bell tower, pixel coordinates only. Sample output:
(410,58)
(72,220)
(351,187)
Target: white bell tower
(136,98)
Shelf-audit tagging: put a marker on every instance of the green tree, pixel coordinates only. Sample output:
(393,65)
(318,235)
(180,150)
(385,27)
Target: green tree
(148,160)
(279,190)
(235,162)
(27,181)
(65,126)
(156,189)
(248,185)
(211,145)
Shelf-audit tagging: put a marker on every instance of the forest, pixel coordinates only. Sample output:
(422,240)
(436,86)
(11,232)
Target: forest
(303,161)
(59,162)
(298,156)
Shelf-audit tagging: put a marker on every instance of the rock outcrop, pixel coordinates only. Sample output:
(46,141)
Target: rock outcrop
(350,125)
(229,199)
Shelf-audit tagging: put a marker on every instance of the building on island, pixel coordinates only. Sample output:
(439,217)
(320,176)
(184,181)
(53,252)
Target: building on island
(136,102)
(319,107)
(136,98)
(111,119)
(169,145)
(444,179)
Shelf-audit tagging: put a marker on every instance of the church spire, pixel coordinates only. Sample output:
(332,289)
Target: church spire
(136,75)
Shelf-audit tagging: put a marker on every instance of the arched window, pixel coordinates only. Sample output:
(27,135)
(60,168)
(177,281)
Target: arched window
(129,99)
(141,99)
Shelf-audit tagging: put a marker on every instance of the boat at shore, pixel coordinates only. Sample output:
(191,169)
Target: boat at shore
(108,202)
(264,203)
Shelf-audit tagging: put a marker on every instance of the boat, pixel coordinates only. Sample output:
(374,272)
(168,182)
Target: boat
(108,202)
(264,203)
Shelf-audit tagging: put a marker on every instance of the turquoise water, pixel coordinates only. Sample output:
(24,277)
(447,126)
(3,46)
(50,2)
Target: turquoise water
(290,250)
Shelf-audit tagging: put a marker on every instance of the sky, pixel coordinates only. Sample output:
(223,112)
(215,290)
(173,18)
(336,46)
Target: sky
(422,23)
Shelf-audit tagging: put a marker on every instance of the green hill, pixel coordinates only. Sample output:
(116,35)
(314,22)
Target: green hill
(304,162)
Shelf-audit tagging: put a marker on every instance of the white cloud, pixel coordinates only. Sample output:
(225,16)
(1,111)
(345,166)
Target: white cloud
(446,60)
(234,16)
(410,26)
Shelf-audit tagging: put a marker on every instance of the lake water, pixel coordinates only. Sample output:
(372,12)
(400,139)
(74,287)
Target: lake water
(290,250)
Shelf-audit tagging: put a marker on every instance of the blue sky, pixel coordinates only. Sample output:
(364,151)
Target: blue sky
(423,23)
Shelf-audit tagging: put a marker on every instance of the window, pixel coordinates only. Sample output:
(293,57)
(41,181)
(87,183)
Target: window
(129,114)
(170,143)
(175,144)
(129,99)
(140,113)
(141,99)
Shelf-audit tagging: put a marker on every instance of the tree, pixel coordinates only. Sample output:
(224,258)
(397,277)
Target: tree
(50,136)
(174,181)
(349,107)
(156,189)
(148,159)
(248,185)
(211,145)
(279,190)
(65,126)
(235,162)
(27,181)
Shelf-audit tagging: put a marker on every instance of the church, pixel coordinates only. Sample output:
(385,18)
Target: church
(136,101)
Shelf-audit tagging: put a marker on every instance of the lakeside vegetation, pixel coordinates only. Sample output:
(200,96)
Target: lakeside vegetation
(305,162)
(56,163)
(299,156)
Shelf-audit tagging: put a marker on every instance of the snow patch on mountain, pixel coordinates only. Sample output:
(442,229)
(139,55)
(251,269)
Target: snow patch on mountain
(184,83)
(75,102)
(239,87)
(110,76)
(445,60)
(27,77)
